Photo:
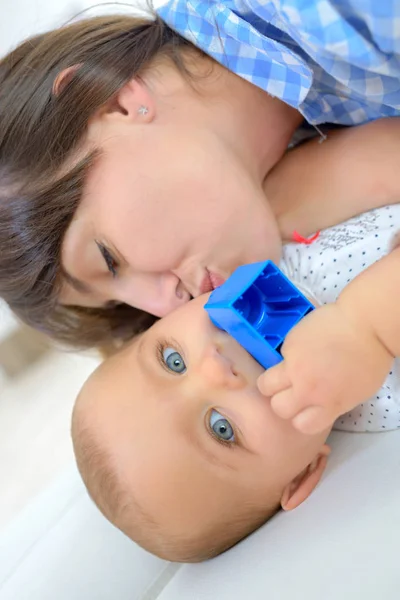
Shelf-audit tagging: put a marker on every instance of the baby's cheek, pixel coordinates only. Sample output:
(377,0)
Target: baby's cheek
(278,439)
(261,430)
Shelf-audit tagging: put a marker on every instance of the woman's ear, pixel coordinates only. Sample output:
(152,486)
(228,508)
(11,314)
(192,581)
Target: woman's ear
(63,79)
(133,103)
(300,488)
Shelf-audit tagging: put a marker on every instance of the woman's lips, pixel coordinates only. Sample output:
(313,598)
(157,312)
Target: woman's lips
(216,279)
(210,282)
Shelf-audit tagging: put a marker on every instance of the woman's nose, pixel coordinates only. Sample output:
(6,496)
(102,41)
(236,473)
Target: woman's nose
(171,294)
(157,294)
(218,371)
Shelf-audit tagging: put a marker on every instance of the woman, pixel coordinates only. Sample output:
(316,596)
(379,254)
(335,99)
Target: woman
(132,170)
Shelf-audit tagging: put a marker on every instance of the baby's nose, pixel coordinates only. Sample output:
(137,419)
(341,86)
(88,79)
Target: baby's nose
(218,370)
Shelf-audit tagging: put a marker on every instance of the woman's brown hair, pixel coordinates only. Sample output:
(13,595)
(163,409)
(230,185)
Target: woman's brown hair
(39,133)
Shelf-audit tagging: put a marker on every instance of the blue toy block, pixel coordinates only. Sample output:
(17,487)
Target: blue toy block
(258,306)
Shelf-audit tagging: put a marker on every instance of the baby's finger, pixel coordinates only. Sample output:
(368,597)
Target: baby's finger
(283,404)
(289,403)
(313,420)
(274,380)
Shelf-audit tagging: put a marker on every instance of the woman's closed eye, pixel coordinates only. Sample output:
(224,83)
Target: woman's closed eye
(220,428)
(171,359)
(111,263)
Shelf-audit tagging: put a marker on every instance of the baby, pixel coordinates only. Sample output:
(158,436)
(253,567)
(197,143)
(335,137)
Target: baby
(187,445)
(177,446)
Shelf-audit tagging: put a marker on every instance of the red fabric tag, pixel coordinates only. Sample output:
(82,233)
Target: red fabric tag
(302,240)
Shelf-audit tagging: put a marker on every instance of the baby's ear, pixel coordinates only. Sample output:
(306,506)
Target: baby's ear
(301,486)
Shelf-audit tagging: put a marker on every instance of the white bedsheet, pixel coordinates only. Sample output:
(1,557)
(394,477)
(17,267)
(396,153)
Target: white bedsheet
(341,544)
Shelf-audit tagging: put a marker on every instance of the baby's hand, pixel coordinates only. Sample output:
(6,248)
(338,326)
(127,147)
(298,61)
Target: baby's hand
(332,362)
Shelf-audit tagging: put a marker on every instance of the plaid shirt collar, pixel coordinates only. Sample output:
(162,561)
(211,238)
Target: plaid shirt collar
(336,61)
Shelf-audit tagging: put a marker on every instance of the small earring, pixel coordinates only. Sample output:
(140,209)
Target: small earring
(143,110)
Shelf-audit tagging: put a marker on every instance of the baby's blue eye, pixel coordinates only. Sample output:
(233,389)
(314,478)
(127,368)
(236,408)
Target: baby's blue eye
(174,360)
(221,427)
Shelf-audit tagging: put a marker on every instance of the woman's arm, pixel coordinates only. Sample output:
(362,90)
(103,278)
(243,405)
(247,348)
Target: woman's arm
(318,185)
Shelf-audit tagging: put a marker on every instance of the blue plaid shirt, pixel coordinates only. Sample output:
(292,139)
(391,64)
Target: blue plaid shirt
(336,61)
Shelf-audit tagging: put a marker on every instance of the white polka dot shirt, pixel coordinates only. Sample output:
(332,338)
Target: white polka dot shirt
(321,270)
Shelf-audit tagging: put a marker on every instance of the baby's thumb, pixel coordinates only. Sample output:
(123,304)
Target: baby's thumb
(274,380)
(313,420)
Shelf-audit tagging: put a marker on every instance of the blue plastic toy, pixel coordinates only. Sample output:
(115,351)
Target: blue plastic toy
(258,306)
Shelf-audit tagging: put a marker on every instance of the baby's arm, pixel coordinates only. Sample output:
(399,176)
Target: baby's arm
(372,302)
(353,171)
(341,353)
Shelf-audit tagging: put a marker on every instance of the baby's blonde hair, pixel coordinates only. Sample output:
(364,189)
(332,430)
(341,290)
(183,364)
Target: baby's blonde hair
(116,500)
